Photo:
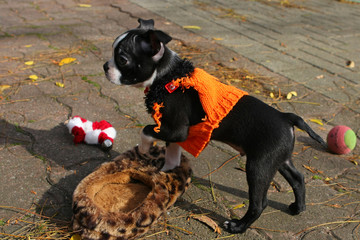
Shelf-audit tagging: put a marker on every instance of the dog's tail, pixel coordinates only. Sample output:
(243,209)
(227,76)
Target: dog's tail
(300,123)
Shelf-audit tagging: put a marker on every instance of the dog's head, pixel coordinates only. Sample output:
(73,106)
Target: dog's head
(136,53)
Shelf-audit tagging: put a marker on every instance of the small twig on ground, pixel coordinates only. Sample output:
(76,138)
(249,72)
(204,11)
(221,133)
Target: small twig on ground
(153,234)
(320,203)
(222,165)
(267,229)
(178,228)
(326,224)
(211,185)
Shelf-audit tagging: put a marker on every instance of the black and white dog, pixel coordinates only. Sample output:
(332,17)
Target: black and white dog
(265,135)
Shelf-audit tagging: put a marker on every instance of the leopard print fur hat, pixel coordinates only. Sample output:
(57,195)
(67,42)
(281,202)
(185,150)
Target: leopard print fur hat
(123,198)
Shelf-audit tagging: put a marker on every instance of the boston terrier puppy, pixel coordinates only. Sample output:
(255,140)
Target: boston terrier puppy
(191,107)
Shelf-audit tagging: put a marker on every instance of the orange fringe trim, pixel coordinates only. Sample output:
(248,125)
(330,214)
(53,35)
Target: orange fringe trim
(157,116)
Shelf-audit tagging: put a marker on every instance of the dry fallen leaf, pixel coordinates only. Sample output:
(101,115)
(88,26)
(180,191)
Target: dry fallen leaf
(305,148)
(192,27)
(290,94)
(29,63)
(59,84)
(208,221)
(84,5)
(354,162)
(4,87)
(317,121)
(334,205)
(66,61)
(33,77)
(320,76)
(309,168)
(313,170)
(239,206)
(75,237)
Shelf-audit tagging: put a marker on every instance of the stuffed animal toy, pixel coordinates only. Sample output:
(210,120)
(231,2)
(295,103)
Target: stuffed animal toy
(92,132)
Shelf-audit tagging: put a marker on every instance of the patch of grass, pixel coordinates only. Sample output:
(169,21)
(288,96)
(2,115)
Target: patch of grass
(30,225)
(34,27)
(349,1)
(283,3)
(42,158)
(200,186)
(6,35)
(14,144)
(41,36)
(230,13)
(53,47)
(95,84)
(19,129)
(87,45)
(241,163)
(220,12)
(317,177)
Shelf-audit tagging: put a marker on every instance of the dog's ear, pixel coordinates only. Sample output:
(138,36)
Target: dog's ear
(153,43)
(158,35)
(146,24)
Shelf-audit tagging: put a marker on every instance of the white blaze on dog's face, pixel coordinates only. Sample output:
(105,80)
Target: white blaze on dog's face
(113,74)
(136,54)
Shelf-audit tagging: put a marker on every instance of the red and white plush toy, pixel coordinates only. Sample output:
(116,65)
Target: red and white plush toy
(91,132)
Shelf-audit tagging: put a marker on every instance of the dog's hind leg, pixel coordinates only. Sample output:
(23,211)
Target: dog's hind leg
(259,179)
(296,181)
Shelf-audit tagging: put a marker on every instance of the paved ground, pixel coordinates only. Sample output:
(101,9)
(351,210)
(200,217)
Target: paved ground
(265,47)
(305,40)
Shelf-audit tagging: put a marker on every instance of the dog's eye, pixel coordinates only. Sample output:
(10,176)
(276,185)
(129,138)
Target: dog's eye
(122,61)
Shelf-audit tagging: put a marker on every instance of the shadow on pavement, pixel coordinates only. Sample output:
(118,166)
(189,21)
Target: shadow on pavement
(66,164)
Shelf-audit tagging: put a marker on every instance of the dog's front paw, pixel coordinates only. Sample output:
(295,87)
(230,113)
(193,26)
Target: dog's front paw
(143,148)
(235,226)
(146,143)
(167,167)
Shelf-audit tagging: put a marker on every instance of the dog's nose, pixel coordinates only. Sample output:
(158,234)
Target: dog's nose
(106,66)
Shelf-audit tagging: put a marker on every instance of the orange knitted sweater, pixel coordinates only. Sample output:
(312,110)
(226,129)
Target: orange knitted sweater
(217,100)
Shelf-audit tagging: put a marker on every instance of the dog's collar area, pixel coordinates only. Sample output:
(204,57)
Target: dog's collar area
(171,87)
(146,90)
(157,91)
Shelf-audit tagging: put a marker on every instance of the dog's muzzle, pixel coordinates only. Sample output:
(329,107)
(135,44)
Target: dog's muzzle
(106,67)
